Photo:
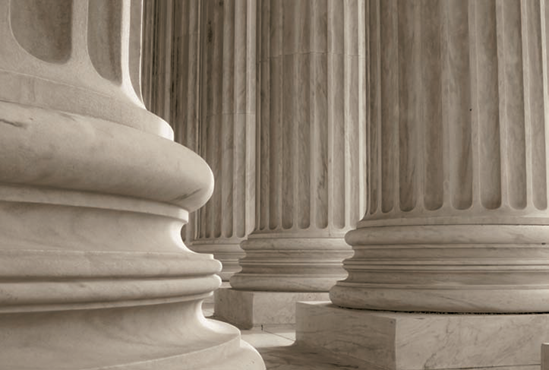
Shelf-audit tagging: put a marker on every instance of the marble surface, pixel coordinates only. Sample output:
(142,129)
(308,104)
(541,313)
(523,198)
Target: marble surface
(246,309)
(413,341)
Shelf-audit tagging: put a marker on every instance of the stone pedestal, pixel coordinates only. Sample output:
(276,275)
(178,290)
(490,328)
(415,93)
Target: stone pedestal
(414,341)
(93,195)
(248,309)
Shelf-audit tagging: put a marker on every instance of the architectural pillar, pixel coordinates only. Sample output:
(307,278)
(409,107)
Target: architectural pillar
(227,128)
(311,167)
(457,218)
(93,195)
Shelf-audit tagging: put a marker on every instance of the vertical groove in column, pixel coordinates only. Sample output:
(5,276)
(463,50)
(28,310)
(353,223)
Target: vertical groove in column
(512,101)
(43,28)
(431,77)
(534,101)
(227,120)
(457,102)
(275,95)
(290,79)
(409,124)
(336,103)
(104,31)
(263,206)
(487,106)
(374,112)
(354,39)
(389,110)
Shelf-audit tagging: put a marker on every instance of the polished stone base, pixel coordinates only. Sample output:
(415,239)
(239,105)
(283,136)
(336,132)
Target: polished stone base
(410,341)
(246,309)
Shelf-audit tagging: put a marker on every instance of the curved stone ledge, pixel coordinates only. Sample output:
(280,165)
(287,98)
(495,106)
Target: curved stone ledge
(93,271)
(168,337)
(47,148)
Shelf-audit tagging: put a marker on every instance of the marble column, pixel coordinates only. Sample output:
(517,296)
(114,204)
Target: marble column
(457,140)
(457,218)
(310,158)
(311,167)
(93,194)
(227,128)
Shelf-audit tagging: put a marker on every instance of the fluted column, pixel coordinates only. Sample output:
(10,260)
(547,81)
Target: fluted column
(457,140)
(93,195)
(227,128)
(310,145)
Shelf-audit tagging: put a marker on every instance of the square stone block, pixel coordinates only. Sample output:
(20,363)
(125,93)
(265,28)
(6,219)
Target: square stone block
(414,341)
(246,309)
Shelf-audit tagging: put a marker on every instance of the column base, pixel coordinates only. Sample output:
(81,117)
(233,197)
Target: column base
(246,309)
(385,340)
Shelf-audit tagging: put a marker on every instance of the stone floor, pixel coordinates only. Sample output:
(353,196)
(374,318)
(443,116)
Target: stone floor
(276,345)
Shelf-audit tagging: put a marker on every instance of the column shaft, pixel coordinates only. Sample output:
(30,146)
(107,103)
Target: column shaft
(457,140)
(311,124)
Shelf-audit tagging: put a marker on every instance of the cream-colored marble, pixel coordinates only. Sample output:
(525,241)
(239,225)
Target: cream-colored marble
(246,309)
(311,132)
(409,341)
(457,214)
(93,195)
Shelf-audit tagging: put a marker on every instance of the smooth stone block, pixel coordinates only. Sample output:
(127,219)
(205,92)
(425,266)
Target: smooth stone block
(246,309)
(413,341)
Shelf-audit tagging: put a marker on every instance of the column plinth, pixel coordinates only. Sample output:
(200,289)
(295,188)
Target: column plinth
(93,195)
